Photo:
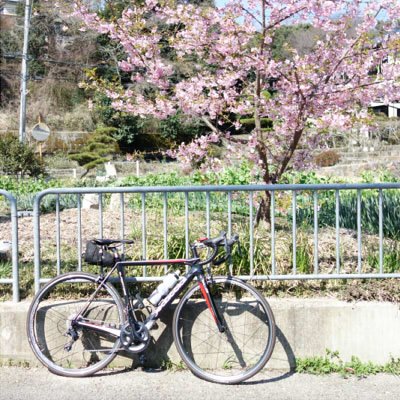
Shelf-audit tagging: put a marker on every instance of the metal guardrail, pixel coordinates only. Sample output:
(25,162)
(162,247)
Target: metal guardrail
(14,280)
(248,196)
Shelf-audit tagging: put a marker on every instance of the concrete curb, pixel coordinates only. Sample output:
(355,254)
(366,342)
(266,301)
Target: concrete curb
(306,327)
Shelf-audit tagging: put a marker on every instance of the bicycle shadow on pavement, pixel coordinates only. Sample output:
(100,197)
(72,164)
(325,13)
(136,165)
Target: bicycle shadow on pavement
(161,351)
(155,358)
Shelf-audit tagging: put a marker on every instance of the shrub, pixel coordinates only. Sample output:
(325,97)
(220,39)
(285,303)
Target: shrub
(180,128)
(98,149)
(248,124)
(126,127)
(19,159)
(327,158)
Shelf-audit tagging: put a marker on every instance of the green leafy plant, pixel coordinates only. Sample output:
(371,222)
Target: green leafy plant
(176,202)
(391,259)
(303,254)
(318,365)
(5,269)
(169,365)
(348,205)
(125,128)
(180,128)
(19,159)
(332,363)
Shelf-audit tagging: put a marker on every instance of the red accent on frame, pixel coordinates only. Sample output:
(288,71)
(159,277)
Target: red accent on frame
(207,299)
(172,261)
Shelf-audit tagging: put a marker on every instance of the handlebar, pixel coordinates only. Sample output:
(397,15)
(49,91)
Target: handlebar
(214,244)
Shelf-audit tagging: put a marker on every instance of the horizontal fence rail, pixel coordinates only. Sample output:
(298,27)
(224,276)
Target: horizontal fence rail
(290,243)
(13,279)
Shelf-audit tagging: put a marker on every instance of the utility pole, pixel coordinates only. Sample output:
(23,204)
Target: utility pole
(24,73)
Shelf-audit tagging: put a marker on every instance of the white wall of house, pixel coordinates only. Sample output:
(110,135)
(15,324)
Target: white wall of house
(392,108)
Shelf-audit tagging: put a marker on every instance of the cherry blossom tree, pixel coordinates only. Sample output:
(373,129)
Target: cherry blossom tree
(351,61)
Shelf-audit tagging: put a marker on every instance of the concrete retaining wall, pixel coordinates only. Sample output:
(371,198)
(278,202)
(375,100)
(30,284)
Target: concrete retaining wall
(306,327)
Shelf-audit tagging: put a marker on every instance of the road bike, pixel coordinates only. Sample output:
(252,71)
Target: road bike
(223,328)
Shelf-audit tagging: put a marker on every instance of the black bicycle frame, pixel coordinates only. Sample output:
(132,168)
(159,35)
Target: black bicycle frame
(196,271)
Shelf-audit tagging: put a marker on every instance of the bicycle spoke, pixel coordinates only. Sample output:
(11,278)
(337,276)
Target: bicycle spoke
(238,352)
(62,346)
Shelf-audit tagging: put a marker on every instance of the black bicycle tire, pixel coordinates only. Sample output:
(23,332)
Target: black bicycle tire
(32,337)
(269,346)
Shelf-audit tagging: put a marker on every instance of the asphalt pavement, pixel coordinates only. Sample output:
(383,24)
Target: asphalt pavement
(38,383)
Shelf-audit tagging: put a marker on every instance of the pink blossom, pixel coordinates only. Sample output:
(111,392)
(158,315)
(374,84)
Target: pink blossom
(313,93)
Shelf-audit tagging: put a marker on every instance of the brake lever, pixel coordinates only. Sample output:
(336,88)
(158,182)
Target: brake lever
(234,240)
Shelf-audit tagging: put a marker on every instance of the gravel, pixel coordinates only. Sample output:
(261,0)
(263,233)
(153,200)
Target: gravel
(38,383)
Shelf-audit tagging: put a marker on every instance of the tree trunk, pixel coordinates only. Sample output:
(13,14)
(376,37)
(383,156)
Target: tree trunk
(264,209)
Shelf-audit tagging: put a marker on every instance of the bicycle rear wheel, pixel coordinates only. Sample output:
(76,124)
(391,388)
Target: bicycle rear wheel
(61,346)
(236,354)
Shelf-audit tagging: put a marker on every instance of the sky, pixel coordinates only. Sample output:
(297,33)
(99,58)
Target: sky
(220,3)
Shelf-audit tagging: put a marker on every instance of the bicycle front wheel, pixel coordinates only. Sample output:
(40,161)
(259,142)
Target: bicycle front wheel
(242,349)
(66,349)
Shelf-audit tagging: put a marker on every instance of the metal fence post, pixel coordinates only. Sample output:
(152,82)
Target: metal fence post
(14,280)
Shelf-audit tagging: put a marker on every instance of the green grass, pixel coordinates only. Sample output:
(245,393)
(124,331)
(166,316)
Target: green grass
(332,363)
(9,362)
(391,258)
(5,269)
(168,365)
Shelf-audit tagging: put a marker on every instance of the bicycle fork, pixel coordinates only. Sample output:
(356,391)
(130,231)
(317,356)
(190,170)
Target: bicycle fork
(205,291)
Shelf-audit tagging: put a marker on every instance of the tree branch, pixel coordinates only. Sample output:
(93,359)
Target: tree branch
(211,125)
(345,55)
